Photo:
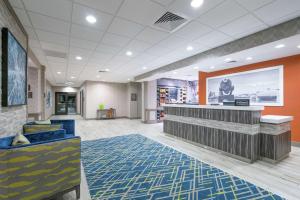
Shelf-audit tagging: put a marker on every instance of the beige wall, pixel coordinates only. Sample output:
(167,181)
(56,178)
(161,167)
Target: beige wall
(33,81)
(49,108)
(112,95)
(11,119)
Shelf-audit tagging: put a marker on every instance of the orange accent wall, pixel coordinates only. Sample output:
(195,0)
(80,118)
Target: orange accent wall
(291,88)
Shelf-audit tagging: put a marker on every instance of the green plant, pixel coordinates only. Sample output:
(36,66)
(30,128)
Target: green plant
(101,106)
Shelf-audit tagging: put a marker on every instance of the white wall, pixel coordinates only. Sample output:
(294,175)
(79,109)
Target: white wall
(150,98)
(134,107)
(49,110)
(112,95)
(33,81)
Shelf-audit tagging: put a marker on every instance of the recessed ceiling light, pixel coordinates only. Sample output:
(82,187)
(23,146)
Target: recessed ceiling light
(196,67)
(279,46)
(144,67)
(72,77)
(298,46)
(189,48)
(78,58)
(129,53)
(107,70)
(196,3)
(58,72)
(128,79)
(212,67)
(91,19)
(69,83)
(98,76)
(249,58)
(174,72)
(227,59)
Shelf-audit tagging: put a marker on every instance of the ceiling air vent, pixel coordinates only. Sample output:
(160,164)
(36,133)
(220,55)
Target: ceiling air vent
(231,61)
(170,22)
(56,54)
(102,71)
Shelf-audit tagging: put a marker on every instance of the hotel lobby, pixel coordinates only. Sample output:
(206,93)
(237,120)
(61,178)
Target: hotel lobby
(150,99)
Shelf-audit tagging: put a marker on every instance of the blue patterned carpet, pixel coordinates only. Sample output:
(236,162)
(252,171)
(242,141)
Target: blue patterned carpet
(134,167)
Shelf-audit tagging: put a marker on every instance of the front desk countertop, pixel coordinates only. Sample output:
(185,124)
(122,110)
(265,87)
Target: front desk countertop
(275,119)
(219,107)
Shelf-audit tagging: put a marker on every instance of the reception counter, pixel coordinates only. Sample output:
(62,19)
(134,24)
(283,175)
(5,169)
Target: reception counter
(240,132)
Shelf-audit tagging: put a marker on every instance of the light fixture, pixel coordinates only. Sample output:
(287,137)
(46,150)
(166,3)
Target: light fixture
(174,72)
(189,48)
(58,72)
(78,58)
(196,3)
(144,68)
(128,79)
(69,83)
(227,59)
(279,46)
(298,46)
(196,67)
(91,19)
(129,53)
(107,70)
(212,67)
(98,76)
(249,58)
(72,77)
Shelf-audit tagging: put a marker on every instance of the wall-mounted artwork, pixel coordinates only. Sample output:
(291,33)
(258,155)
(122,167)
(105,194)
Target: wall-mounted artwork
(14,71)
(49,99)
(262,87)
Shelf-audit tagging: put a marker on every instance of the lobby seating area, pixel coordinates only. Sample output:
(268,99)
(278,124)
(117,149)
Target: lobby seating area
(149,100)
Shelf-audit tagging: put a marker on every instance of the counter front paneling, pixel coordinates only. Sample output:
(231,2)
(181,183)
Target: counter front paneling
(233,130)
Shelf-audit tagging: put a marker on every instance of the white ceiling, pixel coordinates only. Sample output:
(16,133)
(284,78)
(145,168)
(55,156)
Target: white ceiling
(122,25)
(257,54)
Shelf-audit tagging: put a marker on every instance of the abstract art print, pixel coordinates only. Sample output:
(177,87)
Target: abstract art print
(261,87)
(14,71)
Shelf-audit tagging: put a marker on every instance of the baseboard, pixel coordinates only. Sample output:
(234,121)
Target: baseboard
(296,144)
(121,117)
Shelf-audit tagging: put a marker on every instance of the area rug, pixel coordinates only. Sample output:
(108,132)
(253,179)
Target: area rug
(135,167)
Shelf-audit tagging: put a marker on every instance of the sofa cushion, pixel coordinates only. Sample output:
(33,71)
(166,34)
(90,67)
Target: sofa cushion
(20,139)
(36,128)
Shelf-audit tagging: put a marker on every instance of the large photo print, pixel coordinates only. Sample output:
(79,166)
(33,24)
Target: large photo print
(262,87)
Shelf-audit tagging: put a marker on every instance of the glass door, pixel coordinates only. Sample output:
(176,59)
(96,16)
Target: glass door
(65,103)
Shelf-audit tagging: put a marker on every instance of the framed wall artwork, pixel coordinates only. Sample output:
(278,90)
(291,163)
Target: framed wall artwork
(263,87)
(14,71)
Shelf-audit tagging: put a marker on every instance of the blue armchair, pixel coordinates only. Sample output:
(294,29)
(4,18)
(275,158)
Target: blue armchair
(49,166)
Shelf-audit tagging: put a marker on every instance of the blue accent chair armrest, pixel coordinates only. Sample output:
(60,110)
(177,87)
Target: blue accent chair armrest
(68,125)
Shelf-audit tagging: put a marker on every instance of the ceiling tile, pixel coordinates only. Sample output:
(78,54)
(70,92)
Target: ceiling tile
(151,35)
(86,33)
(54,47)
(23,17)
(164,2)
(144,12)
(85,54)
(193,30)
(80,12)
(110,6)
(273,13)
(49,24)
(60,9)
(243,26)
(137,46)
(184,9)
(103,48)
(253,4)
(52,37)
(214,39)
(172,42)
(56,59)
(157,51)
(16,3)
(101,56)
(34,43)
(115,40)
(124,27)
(85,44)
(223,14)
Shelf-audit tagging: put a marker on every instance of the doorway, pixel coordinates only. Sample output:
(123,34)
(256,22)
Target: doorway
(65,103)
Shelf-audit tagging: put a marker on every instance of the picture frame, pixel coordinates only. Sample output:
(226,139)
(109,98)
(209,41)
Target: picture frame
(14,71)
(263,87)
